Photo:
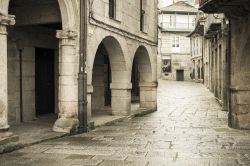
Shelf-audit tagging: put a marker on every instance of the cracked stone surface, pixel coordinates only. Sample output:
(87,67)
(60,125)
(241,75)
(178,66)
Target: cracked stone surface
(189,128)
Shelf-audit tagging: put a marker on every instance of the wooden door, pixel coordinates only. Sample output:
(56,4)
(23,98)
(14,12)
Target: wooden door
(44,81)
(179,75)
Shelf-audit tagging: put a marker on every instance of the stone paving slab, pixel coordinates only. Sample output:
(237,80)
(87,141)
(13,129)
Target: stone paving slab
(189,129)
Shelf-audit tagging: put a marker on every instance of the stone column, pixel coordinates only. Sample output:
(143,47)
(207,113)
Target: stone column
(239,113)
(5,136)
(148,95)
(68,89)
(121,98)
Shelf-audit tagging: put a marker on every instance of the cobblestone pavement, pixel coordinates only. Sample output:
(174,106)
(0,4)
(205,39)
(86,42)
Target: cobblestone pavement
(189,128)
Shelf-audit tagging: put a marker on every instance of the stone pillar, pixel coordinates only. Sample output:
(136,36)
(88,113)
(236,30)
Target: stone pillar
(5,136)
(239,114)
(148,95)
(121,98)
(68,89)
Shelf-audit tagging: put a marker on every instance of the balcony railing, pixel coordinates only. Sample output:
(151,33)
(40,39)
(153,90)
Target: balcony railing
(186,27)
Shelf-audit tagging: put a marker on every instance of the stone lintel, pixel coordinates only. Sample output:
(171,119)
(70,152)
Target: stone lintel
(149,84)
(240,88)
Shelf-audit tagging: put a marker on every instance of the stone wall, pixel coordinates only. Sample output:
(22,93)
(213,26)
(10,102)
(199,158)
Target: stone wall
(180,58)
(240,75)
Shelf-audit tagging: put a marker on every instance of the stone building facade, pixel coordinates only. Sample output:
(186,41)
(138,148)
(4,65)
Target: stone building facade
(209,43)
(196,41)
(176,22)
(39,59)
(237,12)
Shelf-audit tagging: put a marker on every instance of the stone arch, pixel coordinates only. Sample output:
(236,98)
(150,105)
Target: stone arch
(146,82)
(144,63)
(67,103)
(68,12)
(119,84)
(116,58)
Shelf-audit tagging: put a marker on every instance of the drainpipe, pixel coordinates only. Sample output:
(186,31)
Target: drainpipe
(202,60)
(21,82)
(20,51)
(229,73)
(82,75)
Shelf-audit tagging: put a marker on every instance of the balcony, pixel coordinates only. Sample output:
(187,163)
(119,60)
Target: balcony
(178,27)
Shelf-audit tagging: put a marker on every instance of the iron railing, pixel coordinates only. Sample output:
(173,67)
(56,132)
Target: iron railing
(177,26)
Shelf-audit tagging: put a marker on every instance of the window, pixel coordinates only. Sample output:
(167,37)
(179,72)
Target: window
(166,66)
(112,8)
(193,22)
(172,21)
(142,15)
(175,41)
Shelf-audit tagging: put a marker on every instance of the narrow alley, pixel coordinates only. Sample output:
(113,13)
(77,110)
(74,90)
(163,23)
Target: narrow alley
(189,128)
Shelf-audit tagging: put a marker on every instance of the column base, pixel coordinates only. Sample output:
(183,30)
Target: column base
(148,95)
(240,107)
(66,125)
(7,137)
(121,99)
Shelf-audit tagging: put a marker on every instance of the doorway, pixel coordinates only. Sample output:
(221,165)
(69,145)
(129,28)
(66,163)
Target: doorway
(44,81)
(179,75)
(101,97)
(107,81)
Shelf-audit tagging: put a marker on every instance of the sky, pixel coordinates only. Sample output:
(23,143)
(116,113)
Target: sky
(163,3)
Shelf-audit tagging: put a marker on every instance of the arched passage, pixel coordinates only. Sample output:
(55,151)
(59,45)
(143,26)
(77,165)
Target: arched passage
(143,86)
(101,97)
(34,50)
(111,88)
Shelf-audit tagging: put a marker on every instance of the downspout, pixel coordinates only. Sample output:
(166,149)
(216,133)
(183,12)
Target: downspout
(202,61)
(21,82)
(229,73)
(20,49)
(82,75)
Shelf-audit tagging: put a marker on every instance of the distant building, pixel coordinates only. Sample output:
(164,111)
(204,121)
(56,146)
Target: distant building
(208,54)
(197,40)
(175,22)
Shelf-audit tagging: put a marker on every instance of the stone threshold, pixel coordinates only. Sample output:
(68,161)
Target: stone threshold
(95,123)
(10,147)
